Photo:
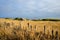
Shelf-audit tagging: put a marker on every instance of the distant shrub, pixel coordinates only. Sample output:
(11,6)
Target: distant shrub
(18,19)
(36,20)
(50,19)
(45,19)
(7,18)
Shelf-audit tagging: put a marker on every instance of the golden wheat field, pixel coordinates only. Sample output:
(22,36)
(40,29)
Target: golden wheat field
(18,30)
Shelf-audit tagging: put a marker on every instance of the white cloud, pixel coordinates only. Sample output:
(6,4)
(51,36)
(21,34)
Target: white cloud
(39,5)
(49,5)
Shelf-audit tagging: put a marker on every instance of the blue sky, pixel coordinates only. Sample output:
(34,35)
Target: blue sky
(30,8)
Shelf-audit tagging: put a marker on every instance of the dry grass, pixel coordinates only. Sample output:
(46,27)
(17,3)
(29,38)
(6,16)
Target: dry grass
(15,30)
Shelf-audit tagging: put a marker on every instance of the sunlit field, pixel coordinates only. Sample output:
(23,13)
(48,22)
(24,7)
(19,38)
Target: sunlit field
(29,30)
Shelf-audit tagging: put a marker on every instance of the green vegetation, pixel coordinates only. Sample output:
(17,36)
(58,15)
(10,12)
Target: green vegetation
(18,19)
(7,18)
(35,19)
(46,20)
(50,19)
